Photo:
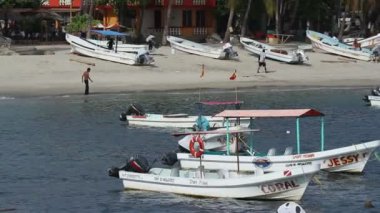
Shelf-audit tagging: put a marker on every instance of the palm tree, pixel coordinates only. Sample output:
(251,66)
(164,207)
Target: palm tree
(166,27)
(89,23)
(231,5)
(244,25)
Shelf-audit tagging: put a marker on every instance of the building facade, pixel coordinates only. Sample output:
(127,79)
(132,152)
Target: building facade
(65,8)
(189,18)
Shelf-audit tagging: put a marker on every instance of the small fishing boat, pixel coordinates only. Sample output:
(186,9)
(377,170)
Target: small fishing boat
(225,52)
(135,115)
(345,159)
(374,98)
(332,45)
(289,56)
(289,184)
(85,47)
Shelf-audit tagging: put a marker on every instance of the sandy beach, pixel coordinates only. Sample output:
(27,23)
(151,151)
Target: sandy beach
(60,73)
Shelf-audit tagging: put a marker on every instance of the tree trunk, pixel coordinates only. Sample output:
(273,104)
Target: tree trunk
(278,16)
(90,19)
(166,27)
(293,15)
(229,24)
(140,23)
(341,29)
(244,25)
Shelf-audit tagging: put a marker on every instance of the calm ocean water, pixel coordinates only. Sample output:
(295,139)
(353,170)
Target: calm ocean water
(55,151)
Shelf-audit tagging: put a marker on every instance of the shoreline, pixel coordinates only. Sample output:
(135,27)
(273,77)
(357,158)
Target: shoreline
(60,74)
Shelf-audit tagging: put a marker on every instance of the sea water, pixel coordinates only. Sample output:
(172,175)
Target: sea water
(55,151)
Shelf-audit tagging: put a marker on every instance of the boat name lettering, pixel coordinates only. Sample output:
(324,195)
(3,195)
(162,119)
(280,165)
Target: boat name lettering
(309,155)
(298,164)
(164,179)
(278,187)
(198,182)
(332,162)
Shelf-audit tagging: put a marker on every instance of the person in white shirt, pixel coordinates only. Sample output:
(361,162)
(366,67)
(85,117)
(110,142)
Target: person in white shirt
(262,61)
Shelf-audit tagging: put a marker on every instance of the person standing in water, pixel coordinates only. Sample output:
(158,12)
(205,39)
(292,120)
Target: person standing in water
(85,79)
(262,61)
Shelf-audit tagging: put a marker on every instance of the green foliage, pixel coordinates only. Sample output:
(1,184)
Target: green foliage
(21,3)
(80,23)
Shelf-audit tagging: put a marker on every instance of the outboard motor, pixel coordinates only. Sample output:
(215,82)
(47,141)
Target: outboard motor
(143,57)
(230,53)
(137,164)
(169,158)
(150,41)
(133,109)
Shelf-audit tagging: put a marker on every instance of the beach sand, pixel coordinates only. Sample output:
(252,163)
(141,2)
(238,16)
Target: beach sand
(60,73)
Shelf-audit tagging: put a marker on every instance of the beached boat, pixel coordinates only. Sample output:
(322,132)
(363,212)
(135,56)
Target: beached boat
(289,184)
(331,45)
(289,56)
(365,42)
(85,47)
(346,159)
(135,115)
(225,52)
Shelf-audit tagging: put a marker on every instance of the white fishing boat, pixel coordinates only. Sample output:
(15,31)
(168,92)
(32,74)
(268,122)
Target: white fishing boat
(225,52)
(85,47)
(374,98)
(346,159)
(365,42)
(289,184)
(296,56)
(333,46)
(135,115)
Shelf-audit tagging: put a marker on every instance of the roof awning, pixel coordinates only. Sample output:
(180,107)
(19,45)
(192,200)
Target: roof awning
(109,33)
(270,113)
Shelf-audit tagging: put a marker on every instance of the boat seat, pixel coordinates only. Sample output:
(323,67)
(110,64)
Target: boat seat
(271,152)
(288,150)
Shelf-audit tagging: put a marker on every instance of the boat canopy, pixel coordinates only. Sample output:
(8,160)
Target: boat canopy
(270,113)
(109,33)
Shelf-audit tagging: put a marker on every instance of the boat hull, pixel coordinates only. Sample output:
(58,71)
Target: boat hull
(284,185)
(317,40)
(84,47)
(374,100)
(195,48)
(256,47)
(159,120)
(350,159)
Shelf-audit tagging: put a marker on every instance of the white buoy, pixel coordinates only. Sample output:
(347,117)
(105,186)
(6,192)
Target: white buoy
(287,132)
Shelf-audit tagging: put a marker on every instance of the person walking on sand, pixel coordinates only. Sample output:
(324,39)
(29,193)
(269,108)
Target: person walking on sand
(85,79)
(262,61)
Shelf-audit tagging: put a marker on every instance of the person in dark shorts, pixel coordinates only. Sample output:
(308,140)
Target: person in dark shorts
(262,57)
(85,79)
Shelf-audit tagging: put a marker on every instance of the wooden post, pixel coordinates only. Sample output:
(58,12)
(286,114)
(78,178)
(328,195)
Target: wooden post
(298,136)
